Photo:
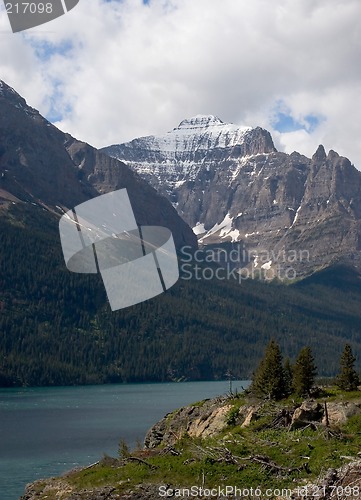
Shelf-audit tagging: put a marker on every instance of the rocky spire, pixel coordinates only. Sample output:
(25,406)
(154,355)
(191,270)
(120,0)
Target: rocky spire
(320,154)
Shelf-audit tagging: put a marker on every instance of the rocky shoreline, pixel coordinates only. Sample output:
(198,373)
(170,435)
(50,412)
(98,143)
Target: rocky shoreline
(207,421)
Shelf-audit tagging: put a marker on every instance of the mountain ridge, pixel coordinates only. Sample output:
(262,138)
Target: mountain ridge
(39,164)
(56,326)
(240,189)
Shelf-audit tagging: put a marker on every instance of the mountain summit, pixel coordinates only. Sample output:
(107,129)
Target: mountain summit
(198,143)
(232,185)
(200,121)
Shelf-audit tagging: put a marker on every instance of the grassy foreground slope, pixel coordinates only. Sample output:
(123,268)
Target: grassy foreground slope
(267,452)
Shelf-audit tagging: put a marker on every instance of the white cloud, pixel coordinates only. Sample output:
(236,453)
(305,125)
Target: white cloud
(138,69)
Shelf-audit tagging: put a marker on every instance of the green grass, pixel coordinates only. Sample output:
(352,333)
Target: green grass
(286,449)
(200,460)
(335,394)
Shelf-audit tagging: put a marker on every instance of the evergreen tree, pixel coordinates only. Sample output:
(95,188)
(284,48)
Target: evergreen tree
(347,379)
(288,376)
(269,378)
(304,372)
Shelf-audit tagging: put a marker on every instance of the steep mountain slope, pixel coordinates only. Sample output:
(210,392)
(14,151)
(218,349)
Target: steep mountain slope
(56,326)
(231,185)
(42,165)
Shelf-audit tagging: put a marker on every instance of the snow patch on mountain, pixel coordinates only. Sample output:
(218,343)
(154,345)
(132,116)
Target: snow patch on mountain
(212,131)
(296,216)
(199,229)
(267,265)
(234,235)
(223,230)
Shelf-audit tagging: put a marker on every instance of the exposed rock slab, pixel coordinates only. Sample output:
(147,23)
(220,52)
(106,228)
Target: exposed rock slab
(209,424)
(205,419)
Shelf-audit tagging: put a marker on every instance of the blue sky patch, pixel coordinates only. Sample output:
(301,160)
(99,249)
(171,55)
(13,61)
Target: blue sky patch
(56,111)
(284,122)
(45,50)
(312,122)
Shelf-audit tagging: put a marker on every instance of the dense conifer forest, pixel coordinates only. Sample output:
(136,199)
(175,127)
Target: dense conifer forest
(56,327)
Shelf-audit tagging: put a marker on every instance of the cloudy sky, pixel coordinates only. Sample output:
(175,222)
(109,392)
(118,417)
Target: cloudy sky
(109,71)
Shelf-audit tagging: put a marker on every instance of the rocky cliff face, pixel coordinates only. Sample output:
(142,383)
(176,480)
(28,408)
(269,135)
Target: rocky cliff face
(40,164)
(198,145)
(231,185)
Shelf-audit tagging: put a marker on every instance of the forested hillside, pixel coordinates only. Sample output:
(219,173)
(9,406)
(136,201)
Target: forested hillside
(56,327)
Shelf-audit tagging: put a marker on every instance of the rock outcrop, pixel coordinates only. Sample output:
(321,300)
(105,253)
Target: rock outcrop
(205,419)
(309,411)
(338,413)
(332,413)
(212,416)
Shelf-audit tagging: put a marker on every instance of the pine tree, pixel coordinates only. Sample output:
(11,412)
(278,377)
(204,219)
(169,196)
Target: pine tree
(347,379)
(304,372)
(288,376)
(269,378)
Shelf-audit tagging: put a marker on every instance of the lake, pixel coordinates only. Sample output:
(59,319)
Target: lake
(49,430)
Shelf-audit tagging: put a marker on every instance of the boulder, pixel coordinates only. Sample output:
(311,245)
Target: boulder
(309,411)
(338,413)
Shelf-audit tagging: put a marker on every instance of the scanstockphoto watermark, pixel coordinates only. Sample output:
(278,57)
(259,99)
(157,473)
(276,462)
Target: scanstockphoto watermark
(224,492)
(241,263)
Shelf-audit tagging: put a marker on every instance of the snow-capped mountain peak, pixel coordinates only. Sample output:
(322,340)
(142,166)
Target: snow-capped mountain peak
(200,121)
(207,131)
(202,142)
(232,186)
